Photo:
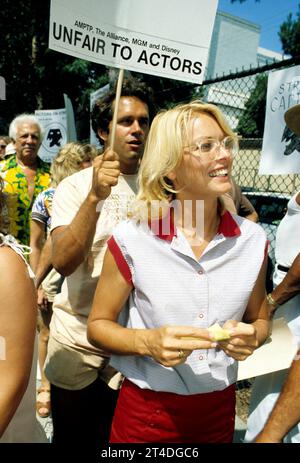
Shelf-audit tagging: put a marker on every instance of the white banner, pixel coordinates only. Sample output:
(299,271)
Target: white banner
(54,122)
(281,147)
(168,38)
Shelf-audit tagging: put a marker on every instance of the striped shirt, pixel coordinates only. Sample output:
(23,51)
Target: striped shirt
(172,287)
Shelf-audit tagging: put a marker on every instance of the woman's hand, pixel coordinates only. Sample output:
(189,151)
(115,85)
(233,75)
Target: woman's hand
(243,340)
(171,345)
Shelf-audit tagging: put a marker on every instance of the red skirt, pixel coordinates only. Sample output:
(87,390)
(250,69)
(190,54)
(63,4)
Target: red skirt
(144,416)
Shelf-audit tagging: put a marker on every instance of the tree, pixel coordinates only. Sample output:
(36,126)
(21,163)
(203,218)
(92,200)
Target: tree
(37,77)
(251,123)
(289,34)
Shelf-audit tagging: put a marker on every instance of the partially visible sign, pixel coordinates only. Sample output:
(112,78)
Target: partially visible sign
(281,147)
(276,354)
(71,126)
(168,38)
(2,88)
(54,122)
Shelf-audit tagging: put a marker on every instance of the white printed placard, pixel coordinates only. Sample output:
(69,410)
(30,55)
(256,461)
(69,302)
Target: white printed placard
(281,147)
(276,354)
(54,122)
(168,38)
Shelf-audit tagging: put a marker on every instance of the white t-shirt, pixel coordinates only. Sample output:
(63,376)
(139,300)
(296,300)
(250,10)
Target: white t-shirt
(288,234)
(72,306)
(286,249)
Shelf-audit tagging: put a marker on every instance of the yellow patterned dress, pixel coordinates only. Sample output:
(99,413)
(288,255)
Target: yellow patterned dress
(17,207)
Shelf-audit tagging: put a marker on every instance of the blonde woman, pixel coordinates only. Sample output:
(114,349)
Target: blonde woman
(71,158)
(171,272)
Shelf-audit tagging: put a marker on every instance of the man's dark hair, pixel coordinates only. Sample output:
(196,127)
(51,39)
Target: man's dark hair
(102,112)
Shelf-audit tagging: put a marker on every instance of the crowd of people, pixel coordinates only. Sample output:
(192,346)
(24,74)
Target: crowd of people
(123,259)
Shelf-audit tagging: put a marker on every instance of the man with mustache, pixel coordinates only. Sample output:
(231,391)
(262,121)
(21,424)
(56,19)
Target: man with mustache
(25,175)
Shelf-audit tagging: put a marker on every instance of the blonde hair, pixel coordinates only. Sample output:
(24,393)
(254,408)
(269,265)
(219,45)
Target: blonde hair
(164,148)
(69,160)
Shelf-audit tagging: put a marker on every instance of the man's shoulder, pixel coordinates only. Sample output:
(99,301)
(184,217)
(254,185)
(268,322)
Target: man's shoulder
(80,181)
(45,194)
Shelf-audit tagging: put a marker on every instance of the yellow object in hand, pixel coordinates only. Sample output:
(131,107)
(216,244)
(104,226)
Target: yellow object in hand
(219,334)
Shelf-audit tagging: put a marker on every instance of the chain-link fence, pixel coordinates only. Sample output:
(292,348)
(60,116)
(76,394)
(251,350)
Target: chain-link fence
(232,94)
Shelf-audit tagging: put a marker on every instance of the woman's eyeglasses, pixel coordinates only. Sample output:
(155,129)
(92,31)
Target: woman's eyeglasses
(209,147)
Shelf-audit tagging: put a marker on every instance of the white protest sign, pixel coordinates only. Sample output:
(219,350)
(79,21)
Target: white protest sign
(276,354)
(168,38)
(93,97)
(71,126)
(54,122)
(281,147)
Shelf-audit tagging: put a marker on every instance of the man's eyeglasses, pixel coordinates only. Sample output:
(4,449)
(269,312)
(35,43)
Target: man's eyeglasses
(207,148)
(2,147)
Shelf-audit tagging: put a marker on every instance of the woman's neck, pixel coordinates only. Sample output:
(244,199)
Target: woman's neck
(198,219)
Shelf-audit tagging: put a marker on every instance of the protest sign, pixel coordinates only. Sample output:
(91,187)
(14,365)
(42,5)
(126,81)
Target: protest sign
(277,353)
(54,122)
(281,147)
(138,35)
(71,127)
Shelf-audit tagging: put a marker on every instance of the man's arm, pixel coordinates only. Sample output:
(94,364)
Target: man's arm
(71,243)
(288,288)
(37,239)
(286,413)
(45,263)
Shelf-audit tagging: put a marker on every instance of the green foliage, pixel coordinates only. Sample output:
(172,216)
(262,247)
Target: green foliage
(37,77)
(289,34)
(251,123)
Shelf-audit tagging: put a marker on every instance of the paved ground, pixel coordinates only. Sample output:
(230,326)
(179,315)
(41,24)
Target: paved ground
(45,422)
(240,429)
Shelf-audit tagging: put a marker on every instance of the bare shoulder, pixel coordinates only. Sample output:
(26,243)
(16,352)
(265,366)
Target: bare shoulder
(11,265)
(298,198)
